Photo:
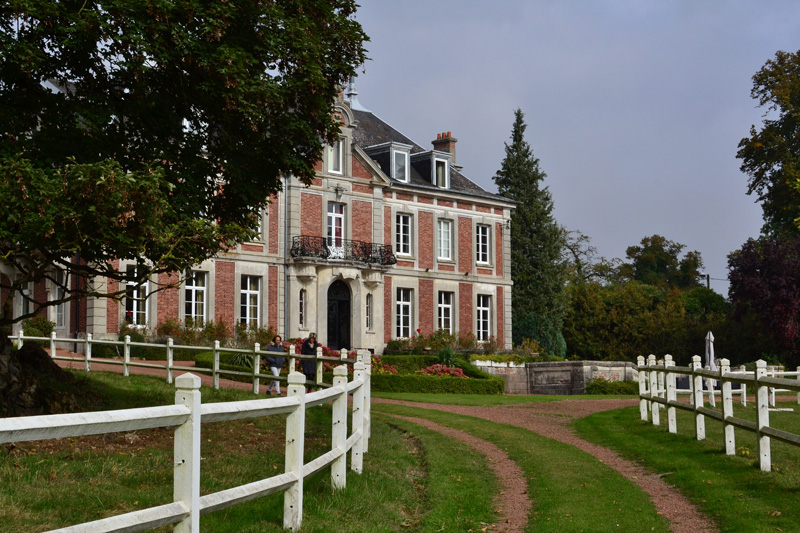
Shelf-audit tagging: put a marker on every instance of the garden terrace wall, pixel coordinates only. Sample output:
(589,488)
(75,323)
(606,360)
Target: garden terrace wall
(559,377)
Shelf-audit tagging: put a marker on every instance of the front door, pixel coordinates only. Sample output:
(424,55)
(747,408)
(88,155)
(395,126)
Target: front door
(338,316)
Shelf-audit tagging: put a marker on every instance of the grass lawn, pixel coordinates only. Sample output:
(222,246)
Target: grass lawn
(730,489)
(569,489)
(485,400)
(412,481)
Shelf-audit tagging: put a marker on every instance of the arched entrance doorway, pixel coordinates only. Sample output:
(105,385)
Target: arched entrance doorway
(338,316)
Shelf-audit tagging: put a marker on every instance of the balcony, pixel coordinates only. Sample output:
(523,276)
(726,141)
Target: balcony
(306,246)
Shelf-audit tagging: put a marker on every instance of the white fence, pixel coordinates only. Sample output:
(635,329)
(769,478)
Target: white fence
(187,415)
(169,350)
(657,391)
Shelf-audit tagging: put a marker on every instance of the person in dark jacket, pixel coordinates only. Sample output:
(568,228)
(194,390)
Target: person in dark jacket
(275,363)
(309,347)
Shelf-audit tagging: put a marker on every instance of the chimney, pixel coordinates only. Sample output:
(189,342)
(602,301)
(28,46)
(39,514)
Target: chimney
(445,142)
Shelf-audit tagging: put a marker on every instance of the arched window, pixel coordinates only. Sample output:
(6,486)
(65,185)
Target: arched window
(302,309)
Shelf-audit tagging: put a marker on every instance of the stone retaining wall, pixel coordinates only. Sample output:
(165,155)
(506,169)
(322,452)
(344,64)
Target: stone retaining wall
(561,377)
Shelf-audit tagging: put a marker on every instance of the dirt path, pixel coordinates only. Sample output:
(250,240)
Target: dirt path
(552,419)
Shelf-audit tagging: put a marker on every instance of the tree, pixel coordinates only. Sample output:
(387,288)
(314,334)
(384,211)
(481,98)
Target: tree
(657,261)
(771,156)
(538,268)
(156,131)
(765,279)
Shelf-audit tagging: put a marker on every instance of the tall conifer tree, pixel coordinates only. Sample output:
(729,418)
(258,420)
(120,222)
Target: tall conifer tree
(538,268)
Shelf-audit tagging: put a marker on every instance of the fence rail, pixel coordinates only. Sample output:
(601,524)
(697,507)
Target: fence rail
(169,350)
(187,416)
(657,391)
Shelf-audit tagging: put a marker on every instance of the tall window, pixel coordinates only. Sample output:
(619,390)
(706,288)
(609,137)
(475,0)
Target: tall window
(336,230)
(482,244)
(250,301)
(445,308)
(61,307)
(369,311)
(444,240)
(440,168)
(335,157)
(301,306)
(402,241)
(195,298)
(483,309)
(27,299)
(403,313)
(135,301)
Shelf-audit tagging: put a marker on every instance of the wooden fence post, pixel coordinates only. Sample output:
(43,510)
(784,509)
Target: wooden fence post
(762,418)
(215,366)
(187,453)
(339,430)
(292,359)
(642,388)
(744,387)
(697,394)
(53,345)
(672,394)
(651,362)
(88,356)
(318,376)
(126,355)
(20,342)
(295,435)
(798,378)
(367,360)
(256,367)
(170,359)
(357,451)
(727,407)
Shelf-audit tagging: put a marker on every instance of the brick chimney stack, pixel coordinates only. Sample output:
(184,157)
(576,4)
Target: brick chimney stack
(445,142)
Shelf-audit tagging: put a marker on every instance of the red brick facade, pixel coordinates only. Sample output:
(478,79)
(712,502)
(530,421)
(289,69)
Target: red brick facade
(362,221)
(425,240)
(311,214)
(168,299)
(465,256)
(426,304)
(360,171)
(465,307)
(224,283)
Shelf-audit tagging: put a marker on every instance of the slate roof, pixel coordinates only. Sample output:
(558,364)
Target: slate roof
(371,130)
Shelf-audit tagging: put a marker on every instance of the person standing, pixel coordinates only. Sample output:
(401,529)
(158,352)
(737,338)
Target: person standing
(275,363)
(309,347)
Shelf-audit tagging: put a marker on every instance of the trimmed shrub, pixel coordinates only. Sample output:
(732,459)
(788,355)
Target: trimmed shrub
(408,364)
(38,326)
(605,386)
(436,384)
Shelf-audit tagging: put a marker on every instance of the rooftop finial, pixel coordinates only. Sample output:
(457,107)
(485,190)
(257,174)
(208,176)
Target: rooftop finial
(351,95)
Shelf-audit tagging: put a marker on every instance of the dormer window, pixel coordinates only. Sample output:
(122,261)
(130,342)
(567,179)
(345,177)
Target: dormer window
(335,157)
(441,173)
(400,165)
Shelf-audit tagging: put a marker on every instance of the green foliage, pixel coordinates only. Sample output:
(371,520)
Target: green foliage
(770,156)
(436,384)
(605,386)
(657,262)
(541,329)
(408,364)
(446,356)
(155,105)
(503,358)
(38,326)
(538,243)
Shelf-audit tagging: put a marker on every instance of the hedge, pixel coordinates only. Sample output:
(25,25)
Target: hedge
(436,384)
(604,386)
(408,364)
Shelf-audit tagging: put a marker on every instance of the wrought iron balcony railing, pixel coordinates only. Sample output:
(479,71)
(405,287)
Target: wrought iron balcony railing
(324,248)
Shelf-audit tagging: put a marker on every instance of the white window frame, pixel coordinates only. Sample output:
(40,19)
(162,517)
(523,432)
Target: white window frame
(368,311)
(301,309)
(397,155)
(249,310)
(336,220)
(402,233)
(483,317)
(60,308)
(136,302)
(26,299)
(444,315)
(195,296)
(336,157)
(403,313)
(483,244)
(446,166)
(444,239)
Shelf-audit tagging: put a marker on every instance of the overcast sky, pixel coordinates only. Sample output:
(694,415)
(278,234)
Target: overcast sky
(634,108)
